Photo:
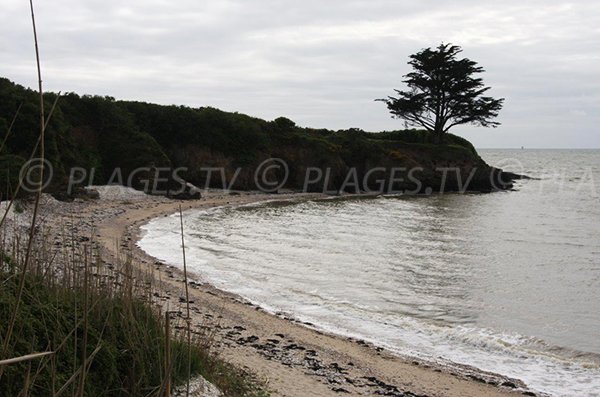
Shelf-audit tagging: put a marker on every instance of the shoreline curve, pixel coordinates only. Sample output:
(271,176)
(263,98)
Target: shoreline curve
(295,358)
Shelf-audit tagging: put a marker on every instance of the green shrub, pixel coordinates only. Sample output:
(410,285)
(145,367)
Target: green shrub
(129,332)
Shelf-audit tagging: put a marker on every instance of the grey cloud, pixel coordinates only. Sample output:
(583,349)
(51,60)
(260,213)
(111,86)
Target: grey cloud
(319,63)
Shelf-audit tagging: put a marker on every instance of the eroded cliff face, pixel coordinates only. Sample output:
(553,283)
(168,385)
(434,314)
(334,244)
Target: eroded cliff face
(407,170)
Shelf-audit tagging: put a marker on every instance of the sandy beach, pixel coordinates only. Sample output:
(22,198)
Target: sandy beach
(294,359)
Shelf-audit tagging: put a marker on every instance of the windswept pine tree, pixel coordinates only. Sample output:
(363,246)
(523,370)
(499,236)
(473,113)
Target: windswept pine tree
(443,91)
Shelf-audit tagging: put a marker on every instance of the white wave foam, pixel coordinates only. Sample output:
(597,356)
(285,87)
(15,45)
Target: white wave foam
(541,366)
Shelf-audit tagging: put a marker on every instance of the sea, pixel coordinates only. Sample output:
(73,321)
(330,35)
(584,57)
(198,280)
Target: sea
(507,282)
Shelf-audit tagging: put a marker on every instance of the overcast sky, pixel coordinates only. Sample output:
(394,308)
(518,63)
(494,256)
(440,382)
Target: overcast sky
(321,63)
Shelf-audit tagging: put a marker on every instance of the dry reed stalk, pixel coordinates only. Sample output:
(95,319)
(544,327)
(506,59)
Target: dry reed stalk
(53,372)
(25,391)
(167,354)
(77,372)
(187,306)
(27,357)
(34,150)
(10,127)
(66,339)
(85,325)
(37,197)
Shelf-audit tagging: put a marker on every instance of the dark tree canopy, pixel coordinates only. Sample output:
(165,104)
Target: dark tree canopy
(443,92)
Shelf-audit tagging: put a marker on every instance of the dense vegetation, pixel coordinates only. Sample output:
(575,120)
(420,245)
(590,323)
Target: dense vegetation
(129,333)
(99,313)
(102,133)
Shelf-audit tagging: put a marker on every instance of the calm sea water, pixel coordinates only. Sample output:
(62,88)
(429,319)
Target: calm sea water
(507,282)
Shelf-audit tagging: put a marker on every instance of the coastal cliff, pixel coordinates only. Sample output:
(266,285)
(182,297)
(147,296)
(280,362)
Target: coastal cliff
(90,137)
